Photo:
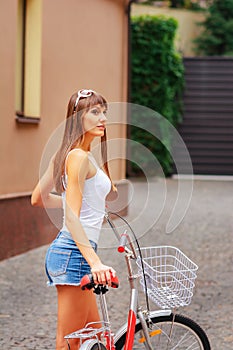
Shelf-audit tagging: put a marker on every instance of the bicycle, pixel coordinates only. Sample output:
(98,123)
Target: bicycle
(167,277)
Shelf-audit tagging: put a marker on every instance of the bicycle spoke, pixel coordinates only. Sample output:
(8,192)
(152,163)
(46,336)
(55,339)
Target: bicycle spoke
(172,335)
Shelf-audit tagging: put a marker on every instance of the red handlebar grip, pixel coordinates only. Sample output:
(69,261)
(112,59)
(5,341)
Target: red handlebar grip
(87,282)
(114,282)
(122,244)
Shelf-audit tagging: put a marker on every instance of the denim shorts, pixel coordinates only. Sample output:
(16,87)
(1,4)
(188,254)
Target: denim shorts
(64,263)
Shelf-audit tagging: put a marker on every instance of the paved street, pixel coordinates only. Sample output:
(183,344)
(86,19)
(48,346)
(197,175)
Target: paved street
(28,306)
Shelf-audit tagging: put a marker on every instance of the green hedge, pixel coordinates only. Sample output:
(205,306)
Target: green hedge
(157,79)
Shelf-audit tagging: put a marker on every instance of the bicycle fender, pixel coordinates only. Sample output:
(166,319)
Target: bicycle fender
(156,313)
(88,344)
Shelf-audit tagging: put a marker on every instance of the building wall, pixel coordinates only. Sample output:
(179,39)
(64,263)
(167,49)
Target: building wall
(84,45)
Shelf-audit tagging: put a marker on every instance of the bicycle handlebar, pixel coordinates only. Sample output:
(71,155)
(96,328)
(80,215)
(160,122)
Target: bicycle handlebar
(87,282)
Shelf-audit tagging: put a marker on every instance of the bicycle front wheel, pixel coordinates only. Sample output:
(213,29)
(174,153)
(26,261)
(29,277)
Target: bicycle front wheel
(169,333)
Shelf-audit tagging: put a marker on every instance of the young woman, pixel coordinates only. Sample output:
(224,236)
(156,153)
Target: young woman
(83,187)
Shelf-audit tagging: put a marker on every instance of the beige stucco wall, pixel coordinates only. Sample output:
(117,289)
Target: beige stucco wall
(188,27)
(84,45)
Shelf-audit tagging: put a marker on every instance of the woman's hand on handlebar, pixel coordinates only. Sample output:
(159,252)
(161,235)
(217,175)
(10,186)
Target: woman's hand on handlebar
(102,273)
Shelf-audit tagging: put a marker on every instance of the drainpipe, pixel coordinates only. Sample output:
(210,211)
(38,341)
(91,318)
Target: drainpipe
(128,11)
(128,133)
(129,48)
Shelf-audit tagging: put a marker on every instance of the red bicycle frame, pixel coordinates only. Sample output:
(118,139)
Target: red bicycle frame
(131,322)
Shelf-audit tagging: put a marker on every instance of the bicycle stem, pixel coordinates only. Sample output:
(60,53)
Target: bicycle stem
(131,277)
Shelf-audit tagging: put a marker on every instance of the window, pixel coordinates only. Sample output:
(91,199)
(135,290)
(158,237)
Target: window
(28,61)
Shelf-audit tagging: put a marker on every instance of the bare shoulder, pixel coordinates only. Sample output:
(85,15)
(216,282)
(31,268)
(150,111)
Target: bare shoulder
(77,162)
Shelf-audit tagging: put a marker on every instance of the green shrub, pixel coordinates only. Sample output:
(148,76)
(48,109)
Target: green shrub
(216,38)
(157,79)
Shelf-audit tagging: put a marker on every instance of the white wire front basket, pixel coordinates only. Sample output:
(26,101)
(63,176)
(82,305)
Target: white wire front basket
(169,275)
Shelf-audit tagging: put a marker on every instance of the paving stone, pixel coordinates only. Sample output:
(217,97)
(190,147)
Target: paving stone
(28,306)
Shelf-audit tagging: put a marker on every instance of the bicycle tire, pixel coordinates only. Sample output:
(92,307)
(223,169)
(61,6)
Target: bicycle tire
(92,344)
(186,334)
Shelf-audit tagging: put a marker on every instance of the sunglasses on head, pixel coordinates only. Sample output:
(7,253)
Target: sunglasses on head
(82,93)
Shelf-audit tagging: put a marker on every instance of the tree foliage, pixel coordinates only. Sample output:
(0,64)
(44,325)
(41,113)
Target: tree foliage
(217,36)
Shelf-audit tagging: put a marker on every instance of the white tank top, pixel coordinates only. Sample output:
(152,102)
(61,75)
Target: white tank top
(92,210)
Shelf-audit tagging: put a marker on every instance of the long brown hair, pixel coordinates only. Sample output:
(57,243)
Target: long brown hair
(74,135)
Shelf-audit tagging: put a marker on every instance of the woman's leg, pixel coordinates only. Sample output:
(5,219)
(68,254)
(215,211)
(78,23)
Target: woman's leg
(75,309)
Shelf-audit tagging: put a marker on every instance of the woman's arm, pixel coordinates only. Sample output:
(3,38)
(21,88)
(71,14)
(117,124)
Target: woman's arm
(77,170)
(41,196)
